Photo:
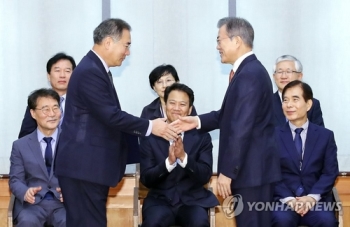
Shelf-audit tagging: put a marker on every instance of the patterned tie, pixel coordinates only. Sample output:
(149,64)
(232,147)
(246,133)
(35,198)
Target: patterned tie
(232,73)
(48,154)
(61,108)
(299,144)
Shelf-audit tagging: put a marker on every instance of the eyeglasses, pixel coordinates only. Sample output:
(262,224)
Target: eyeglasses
(288,72)
(46,110)
(167,82)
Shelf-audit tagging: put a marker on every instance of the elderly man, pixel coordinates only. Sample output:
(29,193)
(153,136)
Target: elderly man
(286,69)
(248,161)
(309,165)
(38,197)
(92,151)
(59,69)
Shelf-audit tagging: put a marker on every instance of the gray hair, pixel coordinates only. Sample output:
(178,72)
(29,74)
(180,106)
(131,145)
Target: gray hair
(236,26)
(110,27)
(297,63)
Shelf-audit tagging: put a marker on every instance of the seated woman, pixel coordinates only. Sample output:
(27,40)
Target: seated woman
(161,77)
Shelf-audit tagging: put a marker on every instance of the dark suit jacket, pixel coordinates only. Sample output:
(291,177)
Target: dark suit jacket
(320,166)
(93,143)
(314,114)
(188,181)
(28,170)
(152,110)
(247,150)
(28,124)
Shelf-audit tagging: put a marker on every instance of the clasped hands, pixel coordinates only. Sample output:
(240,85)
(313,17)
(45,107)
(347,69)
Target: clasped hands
(29,197)
(176,150)
(302,205)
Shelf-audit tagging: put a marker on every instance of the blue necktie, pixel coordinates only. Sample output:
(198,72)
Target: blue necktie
(48,154)
(61,108)
(298,143)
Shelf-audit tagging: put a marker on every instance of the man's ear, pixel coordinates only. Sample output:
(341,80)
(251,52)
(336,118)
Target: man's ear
(309,104)
(32,112)
(190,111)
(300,77)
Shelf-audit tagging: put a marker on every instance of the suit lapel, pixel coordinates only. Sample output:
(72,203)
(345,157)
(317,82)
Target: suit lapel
(189,140)
(278,109)
(310,143)
(289,145)
(241,66)
(35,148)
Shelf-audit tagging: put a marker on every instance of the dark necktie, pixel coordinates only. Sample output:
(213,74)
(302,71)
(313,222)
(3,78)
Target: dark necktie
(48,153)
(299,144)
(61,108)
(110,77)
(232,73)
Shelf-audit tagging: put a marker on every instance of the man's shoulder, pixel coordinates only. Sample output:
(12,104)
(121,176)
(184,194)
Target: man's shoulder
(319,129)
(26,138)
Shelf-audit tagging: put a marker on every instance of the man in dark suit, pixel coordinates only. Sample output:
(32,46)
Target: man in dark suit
(286,69)
(309,164)
(92,152)
(59,69)
(38,198)
(248,161)
(176,172)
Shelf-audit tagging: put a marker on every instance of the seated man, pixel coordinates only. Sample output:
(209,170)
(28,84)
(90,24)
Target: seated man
(286,69)
(38,196)
(309,165)
(176,172)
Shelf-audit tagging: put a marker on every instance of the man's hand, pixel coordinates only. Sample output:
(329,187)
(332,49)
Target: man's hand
(162,129)
(185,123)
(224,186)
(292,203)
(179,149)
(307,203)
(171,156)
(58,189)
(30,194)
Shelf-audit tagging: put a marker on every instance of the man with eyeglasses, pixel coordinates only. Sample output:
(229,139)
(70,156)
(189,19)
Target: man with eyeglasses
(286,69)
(32,181)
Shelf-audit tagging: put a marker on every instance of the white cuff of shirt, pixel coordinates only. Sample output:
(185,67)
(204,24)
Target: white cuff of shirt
(285,200)
(149,130)
(317,197)
(169,166)
(184,163)
(199,123)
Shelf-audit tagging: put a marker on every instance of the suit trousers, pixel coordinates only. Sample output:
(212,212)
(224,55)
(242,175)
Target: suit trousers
(254,200)
(50,212)
(85,202)
(164,215)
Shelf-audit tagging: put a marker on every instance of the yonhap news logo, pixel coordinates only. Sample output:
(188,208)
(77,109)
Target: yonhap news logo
(232,206)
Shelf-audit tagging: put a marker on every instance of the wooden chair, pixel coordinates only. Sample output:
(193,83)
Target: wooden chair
(9,213)
(141,191)
(338,209)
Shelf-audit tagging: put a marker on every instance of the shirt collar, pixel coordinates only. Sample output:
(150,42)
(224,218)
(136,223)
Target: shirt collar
(240,59)
(103,62)
(41,135)
(304,126)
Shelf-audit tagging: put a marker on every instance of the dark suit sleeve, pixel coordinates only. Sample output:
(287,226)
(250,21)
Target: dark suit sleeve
(315,115)
(152,171)
(199,163)
(17,182)
(28,124)
(98,98)
(330,169)
(209,121)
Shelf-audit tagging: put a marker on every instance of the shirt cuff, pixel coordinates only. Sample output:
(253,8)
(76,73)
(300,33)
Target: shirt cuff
(169,166)
(317,197)
(149,130)
(184,163)
(199,123)
(285,200)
